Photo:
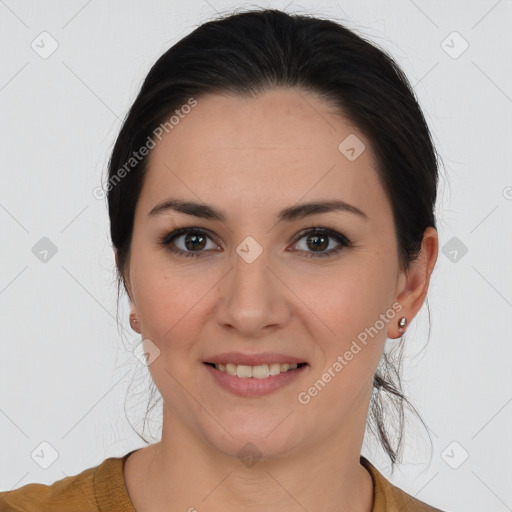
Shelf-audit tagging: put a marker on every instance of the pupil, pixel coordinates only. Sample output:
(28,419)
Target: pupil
(318,237)
(195,238)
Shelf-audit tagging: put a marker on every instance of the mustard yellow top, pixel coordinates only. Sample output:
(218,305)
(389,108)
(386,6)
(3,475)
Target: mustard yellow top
(102,489)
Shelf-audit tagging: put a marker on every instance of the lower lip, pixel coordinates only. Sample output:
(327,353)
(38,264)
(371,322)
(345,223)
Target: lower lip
(252,387)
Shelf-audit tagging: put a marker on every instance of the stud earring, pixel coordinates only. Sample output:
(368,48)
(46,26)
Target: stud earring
(401,324)
(134,322)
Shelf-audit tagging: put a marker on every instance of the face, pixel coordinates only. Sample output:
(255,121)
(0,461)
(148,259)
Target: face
(257,282)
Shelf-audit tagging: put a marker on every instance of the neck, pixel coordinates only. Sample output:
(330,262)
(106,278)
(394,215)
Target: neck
(184,471)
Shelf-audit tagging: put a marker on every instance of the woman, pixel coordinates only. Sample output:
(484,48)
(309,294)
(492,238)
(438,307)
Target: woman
(271,197)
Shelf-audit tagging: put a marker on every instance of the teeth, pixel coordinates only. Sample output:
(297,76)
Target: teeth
(230,368)
(243,371)
(274,368)
(261,371)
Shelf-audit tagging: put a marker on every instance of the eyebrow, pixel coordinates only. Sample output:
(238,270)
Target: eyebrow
(289,214)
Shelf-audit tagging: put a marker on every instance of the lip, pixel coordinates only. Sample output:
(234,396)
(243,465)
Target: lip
(251,387)
(253,359)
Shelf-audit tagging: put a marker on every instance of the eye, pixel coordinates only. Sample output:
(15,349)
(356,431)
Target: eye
(319,240)
(194,242)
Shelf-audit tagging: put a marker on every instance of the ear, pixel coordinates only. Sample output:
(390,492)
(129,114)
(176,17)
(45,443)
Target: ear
(413,284)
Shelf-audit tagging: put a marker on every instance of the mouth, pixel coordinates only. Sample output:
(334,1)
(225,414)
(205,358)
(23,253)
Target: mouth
(254,381)
(260,371)
(254,375)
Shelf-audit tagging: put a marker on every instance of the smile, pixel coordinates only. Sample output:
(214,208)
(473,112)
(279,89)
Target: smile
(255,381)
(261,371)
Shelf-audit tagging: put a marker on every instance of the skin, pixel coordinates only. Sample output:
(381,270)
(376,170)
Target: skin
(252,157)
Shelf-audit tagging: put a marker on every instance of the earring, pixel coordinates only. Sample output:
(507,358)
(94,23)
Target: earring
(133,322)
(401,324)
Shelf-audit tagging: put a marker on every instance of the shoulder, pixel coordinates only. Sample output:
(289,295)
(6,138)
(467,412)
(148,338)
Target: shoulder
(59,496)
(87,491)
(389,498)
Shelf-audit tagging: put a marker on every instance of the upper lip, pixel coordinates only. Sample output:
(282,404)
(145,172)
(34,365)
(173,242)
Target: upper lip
(239,358)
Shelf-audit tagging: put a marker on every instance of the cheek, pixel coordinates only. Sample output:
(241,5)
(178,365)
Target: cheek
(168,299)
(172,316)
(349,299)
(175,304)
(352,346)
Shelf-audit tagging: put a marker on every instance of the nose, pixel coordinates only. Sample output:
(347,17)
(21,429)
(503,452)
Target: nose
(253,299)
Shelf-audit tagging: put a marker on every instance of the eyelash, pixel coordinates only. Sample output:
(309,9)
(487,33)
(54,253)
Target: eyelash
(168,239)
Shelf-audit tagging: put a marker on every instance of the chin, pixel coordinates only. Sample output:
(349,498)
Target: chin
(252,441)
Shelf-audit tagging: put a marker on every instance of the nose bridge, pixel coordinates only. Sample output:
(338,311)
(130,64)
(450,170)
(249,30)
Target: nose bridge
(251,277)
(251,274)
(253,299)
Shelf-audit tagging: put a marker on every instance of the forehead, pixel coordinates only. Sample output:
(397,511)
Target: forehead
(279,146)
(282,120)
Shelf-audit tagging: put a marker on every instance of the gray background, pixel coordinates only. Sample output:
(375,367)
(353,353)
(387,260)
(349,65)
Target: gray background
(64,366)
